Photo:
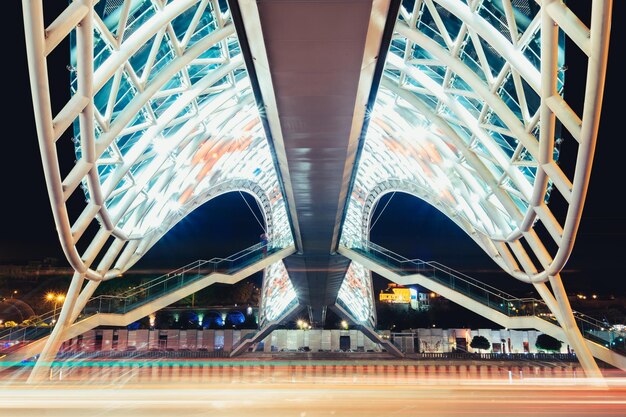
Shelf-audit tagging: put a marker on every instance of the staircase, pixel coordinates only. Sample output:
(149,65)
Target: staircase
(605,343)
(139,302)
(252,339)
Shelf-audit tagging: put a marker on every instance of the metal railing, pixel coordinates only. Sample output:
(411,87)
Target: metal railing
(148,291)
(181,277)
(592,329)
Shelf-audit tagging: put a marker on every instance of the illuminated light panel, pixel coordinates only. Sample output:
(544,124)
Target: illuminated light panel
(173,122)
(457,122)
(277,295)
(356,294)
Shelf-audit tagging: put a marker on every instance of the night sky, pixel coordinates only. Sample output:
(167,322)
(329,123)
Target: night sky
(226,225)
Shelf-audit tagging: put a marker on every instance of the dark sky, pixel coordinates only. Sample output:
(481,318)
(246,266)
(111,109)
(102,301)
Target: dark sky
(409,226)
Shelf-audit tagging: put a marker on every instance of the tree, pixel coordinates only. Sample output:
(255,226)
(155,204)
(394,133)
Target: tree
(480,343)
(245,293)
(547,342)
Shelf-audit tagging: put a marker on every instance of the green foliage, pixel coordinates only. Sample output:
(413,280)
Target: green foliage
(32,321)
(245,293)
(547,342)
(480,343)
(390,315)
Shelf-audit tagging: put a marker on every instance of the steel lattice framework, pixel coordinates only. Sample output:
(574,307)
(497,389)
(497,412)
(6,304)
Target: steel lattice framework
(277,294)
(466,119)
(468,116)
(356,294)
(164,119)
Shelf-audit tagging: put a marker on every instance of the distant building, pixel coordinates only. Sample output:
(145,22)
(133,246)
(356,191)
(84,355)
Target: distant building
(423,300)
(399,294)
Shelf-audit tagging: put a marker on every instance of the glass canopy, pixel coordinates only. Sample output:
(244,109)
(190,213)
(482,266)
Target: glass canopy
(277,295)
(456,118)
(175,119)
(356,294)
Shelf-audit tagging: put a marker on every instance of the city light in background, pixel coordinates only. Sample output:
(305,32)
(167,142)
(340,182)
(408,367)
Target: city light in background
(56,299)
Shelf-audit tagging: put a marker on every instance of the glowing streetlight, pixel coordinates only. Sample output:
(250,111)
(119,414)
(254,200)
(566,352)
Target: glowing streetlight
(55,298)
(344,324)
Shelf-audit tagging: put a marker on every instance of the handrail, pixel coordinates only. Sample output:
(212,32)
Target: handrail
(189,267)
(174,272)
(195,264)
(591,328)
(440,267)
(127,299)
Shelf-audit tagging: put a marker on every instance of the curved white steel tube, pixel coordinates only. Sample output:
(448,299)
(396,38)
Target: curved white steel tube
(101,129)
(535,132)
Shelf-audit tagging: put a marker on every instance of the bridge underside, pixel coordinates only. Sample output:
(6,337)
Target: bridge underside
(317,109)
(318,279)
(314,53)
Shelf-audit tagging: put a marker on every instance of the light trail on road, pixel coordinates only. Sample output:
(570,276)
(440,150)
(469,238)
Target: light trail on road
(470,398)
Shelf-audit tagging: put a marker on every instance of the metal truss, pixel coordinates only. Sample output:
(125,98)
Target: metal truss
(163,119)
(469,112)
(468,118)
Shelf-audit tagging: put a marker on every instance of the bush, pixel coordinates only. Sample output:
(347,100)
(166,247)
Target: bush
(480,343)
(549,343)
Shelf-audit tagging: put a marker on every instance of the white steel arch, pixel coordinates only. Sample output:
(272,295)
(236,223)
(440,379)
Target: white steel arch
(163,115)
(466,119)
(163,118)
(467,112)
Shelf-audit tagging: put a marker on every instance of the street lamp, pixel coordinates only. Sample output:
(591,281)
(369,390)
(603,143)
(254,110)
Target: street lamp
(55,298)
